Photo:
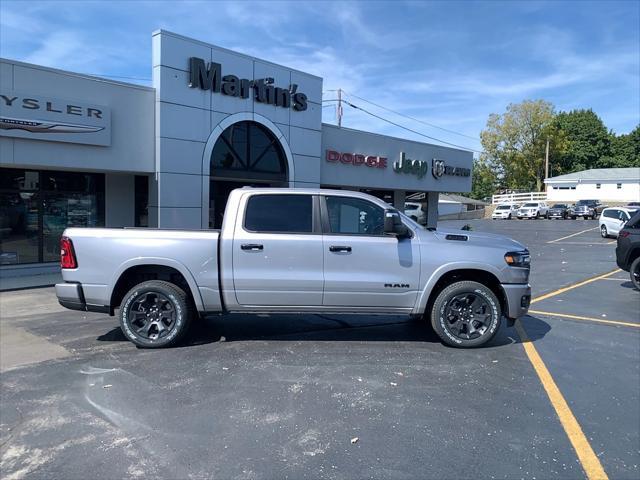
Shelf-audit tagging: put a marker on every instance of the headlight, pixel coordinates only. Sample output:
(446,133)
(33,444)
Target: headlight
(518,259)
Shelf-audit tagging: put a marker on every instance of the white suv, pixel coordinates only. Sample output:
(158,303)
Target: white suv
(414,211)
(504,211)
(613,219)
(533,210)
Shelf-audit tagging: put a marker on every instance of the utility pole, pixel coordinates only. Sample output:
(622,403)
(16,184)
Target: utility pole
(339,108)
(546,164)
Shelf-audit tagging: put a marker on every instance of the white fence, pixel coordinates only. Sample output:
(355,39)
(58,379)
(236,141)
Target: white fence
(518,197)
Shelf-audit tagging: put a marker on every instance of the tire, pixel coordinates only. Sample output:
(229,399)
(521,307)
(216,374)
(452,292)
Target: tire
(603,231)
(547,216)
(572,217)
(140,311)
(509,217)
(469,333)
(634,273)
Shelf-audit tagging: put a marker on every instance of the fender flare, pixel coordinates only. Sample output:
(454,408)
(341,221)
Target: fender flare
(165,262)
(423,297)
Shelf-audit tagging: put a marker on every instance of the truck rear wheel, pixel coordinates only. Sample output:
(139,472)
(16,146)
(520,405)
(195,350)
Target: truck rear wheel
(466,314)
(155,314)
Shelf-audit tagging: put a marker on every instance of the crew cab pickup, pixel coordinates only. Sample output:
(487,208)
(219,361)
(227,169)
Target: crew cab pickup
(297,250)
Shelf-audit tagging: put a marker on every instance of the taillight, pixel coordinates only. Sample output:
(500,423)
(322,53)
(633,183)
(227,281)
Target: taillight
(67,255)
(624,234)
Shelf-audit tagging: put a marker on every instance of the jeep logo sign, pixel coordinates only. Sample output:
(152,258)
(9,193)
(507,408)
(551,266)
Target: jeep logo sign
(210,78)
(412,167)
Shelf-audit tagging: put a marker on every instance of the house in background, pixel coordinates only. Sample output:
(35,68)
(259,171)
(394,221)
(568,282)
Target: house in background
(604,184)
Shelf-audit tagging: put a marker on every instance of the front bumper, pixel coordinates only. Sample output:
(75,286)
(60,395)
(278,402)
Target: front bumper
(518,298)
(557,215)
(530,214)
(71,296)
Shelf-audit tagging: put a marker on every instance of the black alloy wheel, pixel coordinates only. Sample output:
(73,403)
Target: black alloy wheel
(155,314)
(466,314)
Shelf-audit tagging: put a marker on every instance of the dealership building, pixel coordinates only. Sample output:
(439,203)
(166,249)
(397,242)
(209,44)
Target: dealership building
(77,150)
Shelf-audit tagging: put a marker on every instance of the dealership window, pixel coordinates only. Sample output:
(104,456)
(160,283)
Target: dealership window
(141,207)
(36,207)
(245,154)
(354,216)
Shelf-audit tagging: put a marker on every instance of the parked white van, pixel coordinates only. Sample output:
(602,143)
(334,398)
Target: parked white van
(613,219)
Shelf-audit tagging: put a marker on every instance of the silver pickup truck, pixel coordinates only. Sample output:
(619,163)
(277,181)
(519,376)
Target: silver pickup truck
(297,250)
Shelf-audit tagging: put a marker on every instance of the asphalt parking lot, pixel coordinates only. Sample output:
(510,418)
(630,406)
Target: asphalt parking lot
(287,396)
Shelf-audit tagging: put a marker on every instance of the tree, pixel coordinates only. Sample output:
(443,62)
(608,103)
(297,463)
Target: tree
(625,151)
(515,142)
(484,179)
(587,141)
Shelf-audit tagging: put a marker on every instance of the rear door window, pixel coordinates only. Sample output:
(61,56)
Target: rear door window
(279,214)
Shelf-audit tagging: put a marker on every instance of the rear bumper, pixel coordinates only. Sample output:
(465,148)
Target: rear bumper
(71,296)
(518,298)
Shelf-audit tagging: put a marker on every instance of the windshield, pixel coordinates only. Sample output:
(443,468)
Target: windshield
(586,202)
(503,207)
(530,205)
(559,205)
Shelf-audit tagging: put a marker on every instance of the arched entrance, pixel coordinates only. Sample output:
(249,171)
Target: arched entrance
(246,153)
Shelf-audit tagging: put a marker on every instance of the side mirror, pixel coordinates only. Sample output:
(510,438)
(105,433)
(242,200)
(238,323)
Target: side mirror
(393,224)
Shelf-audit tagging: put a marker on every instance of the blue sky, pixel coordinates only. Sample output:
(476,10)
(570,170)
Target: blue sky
(450,64)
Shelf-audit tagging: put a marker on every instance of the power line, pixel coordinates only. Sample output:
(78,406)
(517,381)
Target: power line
(412,118)
(409,129)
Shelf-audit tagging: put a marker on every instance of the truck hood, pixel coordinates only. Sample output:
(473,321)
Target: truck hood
(479,238)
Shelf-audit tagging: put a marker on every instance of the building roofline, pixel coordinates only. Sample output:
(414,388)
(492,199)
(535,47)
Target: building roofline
(76,74)
(161,31)
(329,125)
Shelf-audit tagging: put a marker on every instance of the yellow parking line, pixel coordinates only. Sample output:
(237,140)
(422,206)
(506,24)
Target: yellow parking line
(575,285)
(591,319)
(587,457)
(595,242)
(573,235)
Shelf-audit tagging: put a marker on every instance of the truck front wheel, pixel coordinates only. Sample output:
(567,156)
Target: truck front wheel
(155,314)
(466,314)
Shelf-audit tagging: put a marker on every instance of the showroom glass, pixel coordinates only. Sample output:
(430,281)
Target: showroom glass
(279,214)
(248,150)
(354,216)
(36,207)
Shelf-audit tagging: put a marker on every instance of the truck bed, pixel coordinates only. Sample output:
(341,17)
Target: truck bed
(114,250)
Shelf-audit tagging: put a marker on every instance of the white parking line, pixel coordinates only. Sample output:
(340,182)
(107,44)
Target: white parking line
(573,234)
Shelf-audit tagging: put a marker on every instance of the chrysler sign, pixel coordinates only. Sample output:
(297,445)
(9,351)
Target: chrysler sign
(46,118)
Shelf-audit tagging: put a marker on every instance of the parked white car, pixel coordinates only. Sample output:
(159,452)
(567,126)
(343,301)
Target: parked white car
(613,220)
(414,211)
(533,210)
(504,211)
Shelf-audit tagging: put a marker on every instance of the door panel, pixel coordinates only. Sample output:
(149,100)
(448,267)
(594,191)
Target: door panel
(363,267)
(377,272)
(287,270)
(277,252)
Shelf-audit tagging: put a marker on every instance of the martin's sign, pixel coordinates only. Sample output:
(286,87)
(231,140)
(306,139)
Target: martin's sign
(46,118)
(210,78)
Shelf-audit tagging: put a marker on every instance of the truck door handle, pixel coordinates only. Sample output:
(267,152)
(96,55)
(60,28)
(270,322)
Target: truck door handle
(251,246)
(339,248)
